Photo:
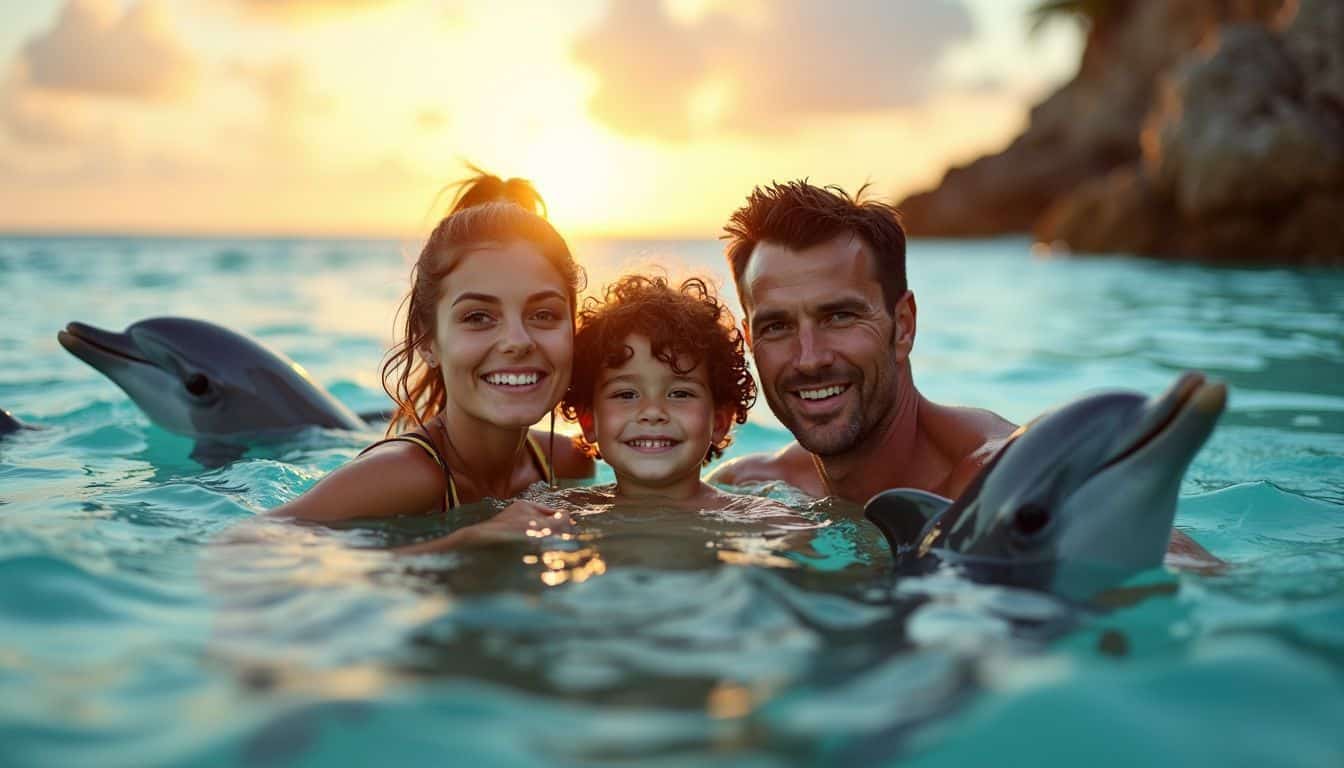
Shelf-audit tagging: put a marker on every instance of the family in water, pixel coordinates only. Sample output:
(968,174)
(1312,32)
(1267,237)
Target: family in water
(655,374)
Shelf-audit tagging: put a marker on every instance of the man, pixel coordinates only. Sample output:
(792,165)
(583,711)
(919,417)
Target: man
(831,322)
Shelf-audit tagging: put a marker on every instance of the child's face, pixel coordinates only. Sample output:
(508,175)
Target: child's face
(652,424)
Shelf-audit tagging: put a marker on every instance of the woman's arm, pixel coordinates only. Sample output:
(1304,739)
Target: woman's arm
(520,521)
(393,479)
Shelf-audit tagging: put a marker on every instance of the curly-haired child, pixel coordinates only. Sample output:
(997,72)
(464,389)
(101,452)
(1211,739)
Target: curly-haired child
(660,376)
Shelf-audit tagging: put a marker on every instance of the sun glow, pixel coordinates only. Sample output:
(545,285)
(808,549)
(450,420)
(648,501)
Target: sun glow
(575,168)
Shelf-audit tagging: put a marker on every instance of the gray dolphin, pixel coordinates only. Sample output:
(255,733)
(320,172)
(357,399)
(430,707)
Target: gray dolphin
(1079,500)
(10,424)
(204,381)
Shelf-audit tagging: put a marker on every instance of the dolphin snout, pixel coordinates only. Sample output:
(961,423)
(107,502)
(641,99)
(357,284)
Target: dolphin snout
(94,345)
(1210,398)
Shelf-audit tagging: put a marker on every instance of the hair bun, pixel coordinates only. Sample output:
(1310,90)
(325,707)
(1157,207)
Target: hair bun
(481,188)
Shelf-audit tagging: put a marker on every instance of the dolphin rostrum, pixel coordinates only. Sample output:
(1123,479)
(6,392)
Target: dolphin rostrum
(207,382)
(1077,501)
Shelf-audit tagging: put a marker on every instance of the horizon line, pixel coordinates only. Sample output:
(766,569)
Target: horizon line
(262,234)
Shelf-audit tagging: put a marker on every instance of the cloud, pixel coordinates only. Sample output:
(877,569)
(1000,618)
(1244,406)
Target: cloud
(431,120)
(95,49)
(667,78)
(305,9)
(289,101)
(40,118)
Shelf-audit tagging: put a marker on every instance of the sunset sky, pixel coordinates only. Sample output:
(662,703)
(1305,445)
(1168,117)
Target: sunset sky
(634,117)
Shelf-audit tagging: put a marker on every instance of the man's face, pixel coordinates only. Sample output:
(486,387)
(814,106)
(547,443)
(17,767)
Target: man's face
(827,350)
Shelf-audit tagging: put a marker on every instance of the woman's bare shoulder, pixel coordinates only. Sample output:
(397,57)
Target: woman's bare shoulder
(392,479)
(568,459)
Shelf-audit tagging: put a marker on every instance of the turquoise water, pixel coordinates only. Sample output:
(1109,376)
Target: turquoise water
(138,627)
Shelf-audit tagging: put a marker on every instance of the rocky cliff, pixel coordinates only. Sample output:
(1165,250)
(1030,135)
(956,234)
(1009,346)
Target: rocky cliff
(1194,128)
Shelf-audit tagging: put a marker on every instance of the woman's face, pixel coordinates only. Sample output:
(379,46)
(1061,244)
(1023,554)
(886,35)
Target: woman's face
(503,335)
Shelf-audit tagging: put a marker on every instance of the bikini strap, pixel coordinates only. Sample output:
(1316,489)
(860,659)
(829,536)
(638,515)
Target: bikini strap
(543,464)
(429,448)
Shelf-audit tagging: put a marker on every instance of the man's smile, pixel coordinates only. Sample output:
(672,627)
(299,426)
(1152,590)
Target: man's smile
(821,393)
(819,401)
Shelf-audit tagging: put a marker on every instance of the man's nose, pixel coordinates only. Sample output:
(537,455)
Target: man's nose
(814,354)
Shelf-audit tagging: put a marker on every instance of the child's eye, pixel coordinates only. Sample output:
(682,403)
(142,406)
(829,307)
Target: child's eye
(682,394)
(623,394)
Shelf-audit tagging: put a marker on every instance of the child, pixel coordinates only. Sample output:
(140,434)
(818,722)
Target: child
(659,378)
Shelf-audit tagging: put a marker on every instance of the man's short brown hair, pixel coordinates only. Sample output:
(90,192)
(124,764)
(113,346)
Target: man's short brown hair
(686,327)
(799,215)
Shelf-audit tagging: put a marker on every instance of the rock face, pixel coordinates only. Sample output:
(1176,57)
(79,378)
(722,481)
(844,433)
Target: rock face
(1242,154)
(1194,128)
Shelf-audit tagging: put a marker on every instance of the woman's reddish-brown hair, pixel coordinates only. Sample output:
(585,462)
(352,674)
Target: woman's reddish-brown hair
(486,209)
(686,326)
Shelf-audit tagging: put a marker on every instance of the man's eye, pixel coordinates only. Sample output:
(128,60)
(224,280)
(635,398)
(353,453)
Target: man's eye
(842,317)
(774,329)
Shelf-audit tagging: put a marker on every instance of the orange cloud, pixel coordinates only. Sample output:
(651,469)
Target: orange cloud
(305,9)
(95,49)
(798,58)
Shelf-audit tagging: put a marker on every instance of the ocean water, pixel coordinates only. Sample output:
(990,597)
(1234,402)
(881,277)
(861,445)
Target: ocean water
(145,621)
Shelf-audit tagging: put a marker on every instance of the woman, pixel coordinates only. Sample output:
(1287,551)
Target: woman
(485,353)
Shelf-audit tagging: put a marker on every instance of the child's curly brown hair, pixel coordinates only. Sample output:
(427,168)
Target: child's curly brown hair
(687,323)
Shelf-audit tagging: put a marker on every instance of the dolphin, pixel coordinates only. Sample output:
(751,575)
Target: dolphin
(204,381)
(1077,501)
(10,424)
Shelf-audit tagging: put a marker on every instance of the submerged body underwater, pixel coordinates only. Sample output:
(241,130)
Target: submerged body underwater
(145,619)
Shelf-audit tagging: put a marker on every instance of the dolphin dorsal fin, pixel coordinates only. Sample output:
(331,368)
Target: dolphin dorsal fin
(902,514)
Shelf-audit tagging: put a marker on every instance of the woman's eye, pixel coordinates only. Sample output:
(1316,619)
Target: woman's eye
(546,315)
(477,318)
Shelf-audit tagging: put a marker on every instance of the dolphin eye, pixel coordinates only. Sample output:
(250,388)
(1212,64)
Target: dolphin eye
(1030,519)
(197,384)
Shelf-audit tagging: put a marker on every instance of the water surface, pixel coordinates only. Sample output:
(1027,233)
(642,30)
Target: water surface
(138,626)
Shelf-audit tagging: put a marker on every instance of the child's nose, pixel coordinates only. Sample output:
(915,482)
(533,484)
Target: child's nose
(652,413)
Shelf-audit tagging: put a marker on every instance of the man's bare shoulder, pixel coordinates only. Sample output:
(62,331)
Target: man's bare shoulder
(970,438)
(791,464)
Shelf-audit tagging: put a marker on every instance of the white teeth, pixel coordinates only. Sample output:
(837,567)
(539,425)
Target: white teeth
(823,393)
(651,443)
(512,379)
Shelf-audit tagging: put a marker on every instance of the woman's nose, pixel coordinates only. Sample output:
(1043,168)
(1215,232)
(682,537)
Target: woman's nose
(517,340)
